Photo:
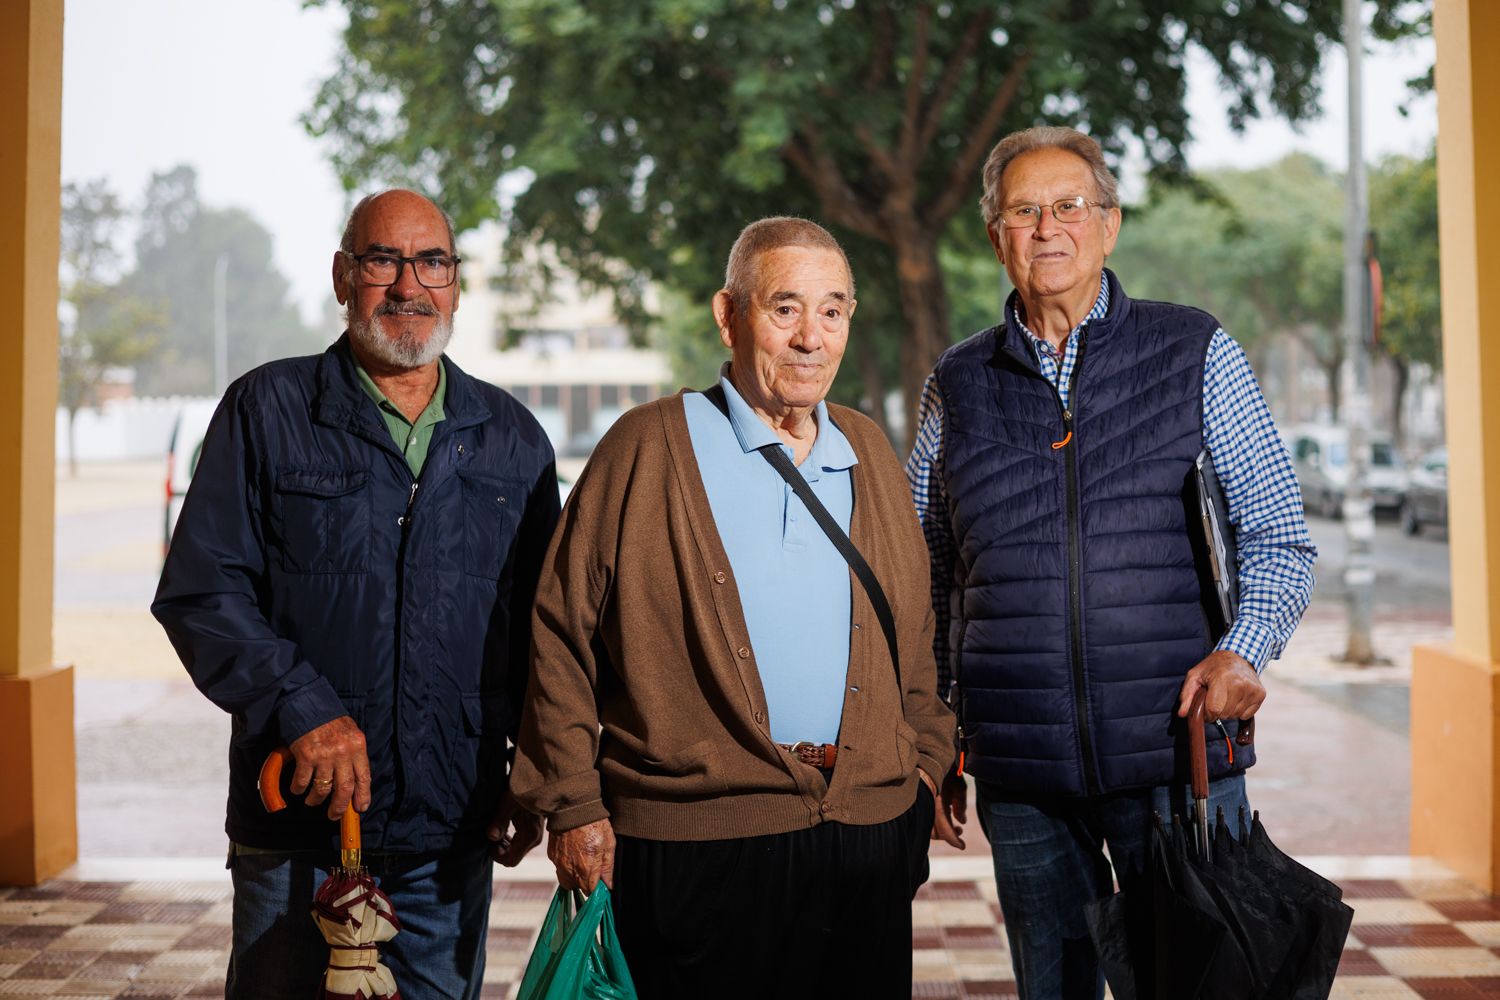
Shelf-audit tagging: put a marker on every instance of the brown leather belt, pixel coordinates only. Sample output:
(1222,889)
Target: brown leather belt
(819,755)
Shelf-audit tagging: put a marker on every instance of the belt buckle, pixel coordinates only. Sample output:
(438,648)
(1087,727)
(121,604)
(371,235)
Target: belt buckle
(802,750)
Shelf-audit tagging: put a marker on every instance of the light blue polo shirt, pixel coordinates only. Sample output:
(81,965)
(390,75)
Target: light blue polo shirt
(793,584)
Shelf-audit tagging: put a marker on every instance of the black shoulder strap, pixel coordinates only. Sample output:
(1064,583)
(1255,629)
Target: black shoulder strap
(778,461)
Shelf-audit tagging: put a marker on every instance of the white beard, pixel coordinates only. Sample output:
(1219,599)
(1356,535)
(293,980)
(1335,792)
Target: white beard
(404,351)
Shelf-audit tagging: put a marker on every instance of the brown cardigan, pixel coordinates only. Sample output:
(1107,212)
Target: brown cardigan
(644,704)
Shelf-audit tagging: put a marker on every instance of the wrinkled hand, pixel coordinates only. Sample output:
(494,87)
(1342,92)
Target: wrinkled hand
(1234,688)
(508,846)
(945,810)
(331,760)
(584,856)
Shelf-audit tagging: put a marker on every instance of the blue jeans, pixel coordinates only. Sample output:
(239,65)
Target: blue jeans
(442,901)
(1049,862)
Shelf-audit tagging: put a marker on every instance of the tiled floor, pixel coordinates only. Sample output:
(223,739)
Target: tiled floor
(1417,933)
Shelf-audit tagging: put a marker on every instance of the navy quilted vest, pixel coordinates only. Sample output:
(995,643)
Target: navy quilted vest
(1078,608)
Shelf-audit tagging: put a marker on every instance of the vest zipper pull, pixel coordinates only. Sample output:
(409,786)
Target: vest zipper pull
(1068,426)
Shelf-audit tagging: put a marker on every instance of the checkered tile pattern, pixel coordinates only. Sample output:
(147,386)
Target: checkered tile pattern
(1412,937)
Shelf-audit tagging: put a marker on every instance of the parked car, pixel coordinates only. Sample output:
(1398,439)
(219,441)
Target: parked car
(1320,456)
(183,449)
(1427,494)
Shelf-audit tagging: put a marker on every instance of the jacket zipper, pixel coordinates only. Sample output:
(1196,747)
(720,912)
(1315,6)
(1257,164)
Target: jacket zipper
(1075,576)
(956,692)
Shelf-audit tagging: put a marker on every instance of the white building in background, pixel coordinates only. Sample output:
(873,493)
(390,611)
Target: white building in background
(574,366)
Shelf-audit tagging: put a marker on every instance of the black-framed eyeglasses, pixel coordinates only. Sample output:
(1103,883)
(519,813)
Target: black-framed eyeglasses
(432,270)
(1074,209)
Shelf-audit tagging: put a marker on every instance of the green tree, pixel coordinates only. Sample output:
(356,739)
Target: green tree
(102,328)
(652,130)
(1403,215)
(179,245)
(1260,249)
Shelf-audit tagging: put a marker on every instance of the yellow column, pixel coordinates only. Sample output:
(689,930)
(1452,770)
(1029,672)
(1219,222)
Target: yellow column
(1455,689)
(38,787)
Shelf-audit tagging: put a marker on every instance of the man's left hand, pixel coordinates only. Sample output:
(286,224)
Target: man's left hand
(508,846)
(1234,688)
(943,827)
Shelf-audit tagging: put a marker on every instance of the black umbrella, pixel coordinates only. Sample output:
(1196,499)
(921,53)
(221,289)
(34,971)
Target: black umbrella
(1215,916)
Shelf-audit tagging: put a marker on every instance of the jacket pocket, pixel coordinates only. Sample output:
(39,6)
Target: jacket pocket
(478,757)
(324,520)
(686,773)
(492,514)
(906,748)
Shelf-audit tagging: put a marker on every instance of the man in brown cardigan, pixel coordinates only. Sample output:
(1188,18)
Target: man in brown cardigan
(714,725)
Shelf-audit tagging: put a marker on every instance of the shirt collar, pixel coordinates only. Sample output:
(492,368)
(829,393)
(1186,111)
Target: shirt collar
(831,451)
(432,413)
(1100,309)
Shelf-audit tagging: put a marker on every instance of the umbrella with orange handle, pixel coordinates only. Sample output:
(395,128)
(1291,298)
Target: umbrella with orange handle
(349,908)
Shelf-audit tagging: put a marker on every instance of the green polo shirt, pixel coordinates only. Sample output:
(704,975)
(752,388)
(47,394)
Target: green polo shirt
(411,437)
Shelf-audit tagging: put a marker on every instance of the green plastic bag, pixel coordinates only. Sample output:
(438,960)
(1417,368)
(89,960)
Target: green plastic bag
(577,955)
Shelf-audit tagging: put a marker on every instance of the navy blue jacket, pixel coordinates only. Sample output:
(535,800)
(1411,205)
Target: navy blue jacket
(1080,606)
(310,577)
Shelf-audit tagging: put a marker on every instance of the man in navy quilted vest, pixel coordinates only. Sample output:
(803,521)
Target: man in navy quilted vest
(1049,473)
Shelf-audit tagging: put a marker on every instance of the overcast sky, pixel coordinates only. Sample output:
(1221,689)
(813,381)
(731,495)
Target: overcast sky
(149,84)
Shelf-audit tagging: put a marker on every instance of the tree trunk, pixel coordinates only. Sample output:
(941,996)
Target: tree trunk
(1398,400)
(869,370)
(924,307)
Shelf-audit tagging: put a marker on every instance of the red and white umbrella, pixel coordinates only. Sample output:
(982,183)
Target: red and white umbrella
(349,908)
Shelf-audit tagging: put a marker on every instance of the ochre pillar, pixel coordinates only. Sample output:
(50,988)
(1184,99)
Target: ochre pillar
(1455,689)
(38,786)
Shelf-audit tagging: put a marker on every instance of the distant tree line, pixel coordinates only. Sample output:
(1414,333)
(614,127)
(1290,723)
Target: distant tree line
(150,310)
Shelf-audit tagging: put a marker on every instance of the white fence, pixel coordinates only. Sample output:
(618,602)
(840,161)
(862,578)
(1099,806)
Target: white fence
(122,429)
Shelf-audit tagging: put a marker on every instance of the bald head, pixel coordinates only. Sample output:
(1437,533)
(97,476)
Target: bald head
(393,198)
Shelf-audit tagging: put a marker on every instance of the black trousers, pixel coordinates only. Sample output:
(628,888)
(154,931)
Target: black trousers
(818,913)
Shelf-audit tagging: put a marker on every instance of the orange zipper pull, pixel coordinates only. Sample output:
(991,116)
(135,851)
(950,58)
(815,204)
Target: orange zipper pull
(1063,443)
(960,763)
(1228,743)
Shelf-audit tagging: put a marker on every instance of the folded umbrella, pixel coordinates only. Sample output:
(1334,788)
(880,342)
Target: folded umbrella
(349,908)
(1215,917)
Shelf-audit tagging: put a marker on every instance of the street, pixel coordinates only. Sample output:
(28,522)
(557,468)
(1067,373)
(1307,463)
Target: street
(1411,571)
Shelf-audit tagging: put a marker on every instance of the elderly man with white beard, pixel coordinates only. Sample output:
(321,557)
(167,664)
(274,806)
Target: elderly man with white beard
(352,577)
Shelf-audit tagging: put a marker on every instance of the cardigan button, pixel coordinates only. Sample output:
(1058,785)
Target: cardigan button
(744,652)
(760,717)
(719,577)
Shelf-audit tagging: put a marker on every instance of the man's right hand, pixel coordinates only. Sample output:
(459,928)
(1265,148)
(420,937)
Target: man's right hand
(331,761)
(584,856)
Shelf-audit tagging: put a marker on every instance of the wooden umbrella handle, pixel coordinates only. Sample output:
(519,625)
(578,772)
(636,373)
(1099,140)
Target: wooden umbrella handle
(1198,744)
(269,783)
(269,786)
(349,830)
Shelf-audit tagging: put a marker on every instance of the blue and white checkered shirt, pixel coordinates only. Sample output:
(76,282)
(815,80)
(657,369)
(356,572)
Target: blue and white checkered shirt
(1265,505)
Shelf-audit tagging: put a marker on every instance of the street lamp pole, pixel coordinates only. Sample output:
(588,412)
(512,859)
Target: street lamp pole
(1359,514)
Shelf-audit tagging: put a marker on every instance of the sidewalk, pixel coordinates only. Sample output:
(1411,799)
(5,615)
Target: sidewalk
(1417,932)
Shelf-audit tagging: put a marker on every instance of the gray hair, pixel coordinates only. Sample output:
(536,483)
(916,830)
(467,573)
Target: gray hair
(346,242)
(764,235)
(1044,137)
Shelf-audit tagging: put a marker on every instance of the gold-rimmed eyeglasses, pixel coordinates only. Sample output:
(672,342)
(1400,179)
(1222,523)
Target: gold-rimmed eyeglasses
(1074,209)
